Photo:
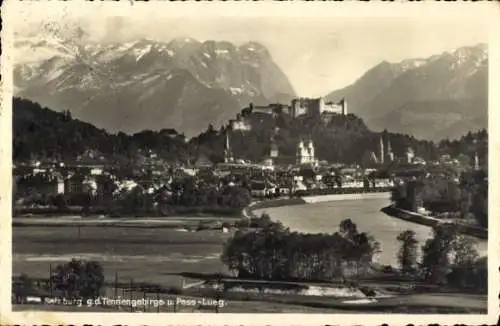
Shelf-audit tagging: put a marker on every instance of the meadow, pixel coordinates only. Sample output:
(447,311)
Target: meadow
(158,253)
(150,255)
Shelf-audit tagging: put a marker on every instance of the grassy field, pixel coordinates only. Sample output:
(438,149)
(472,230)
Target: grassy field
(142,254)
(159,255)
(232,307)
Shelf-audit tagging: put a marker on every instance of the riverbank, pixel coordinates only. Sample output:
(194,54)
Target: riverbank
(273,203)
(248,211)
(470,230)
(335,197)
(177,210)
(184,223)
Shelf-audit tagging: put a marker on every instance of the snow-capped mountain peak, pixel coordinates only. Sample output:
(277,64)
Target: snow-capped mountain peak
(156,84)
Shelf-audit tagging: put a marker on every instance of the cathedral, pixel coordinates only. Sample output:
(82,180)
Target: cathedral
(305,153)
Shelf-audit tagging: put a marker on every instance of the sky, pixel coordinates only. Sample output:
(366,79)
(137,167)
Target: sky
(318,48)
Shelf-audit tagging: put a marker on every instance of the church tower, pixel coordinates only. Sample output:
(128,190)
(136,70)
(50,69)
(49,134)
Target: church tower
(228,157)
(310,150)
(300,152)
(390,154)
(273,152)
(409,155)
(382,152)
(344,107)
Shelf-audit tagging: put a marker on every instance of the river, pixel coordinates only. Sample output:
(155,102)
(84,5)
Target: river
(325,217)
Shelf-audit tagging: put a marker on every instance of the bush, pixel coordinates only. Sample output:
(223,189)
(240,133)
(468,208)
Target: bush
(174,290)
(79,279)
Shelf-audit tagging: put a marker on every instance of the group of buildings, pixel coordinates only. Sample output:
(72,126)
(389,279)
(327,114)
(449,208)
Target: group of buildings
(299,107)
(305,150)
(304,106)
(315,107)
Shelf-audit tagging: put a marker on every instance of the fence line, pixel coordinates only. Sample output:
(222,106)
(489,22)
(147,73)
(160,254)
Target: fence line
(154,298)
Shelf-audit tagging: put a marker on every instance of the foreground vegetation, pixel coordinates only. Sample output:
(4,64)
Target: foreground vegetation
(465,200)
(273,252)
(442,275)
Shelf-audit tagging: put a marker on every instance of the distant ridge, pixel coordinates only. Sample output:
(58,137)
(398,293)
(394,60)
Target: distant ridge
(443,96)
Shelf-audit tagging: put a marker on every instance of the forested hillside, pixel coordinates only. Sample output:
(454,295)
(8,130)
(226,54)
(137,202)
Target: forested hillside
(43,133)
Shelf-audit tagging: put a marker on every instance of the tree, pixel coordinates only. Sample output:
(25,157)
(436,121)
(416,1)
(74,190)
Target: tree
(399,196)
(22,287)
(479,207)
(463,251)
(407,255)
(79,279)
(348,229)
(272,252)
(436,253)
(60,202)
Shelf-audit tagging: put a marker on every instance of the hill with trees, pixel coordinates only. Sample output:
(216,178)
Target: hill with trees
(40,133)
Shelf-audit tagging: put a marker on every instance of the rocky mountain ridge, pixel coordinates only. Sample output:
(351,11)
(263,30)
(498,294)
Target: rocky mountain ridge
(145,84)
(441,96)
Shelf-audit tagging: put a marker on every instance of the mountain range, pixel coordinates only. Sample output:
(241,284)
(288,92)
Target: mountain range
(183,84)
(443,96)
(187,85)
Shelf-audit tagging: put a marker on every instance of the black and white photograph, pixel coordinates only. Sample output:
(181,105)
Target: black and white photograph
(249,158)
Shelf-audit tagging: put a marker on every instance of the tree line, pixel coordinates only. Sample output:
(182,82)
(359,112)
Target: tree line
(448,258)
(269,251)
(465,199)
(74,280)
(273,252)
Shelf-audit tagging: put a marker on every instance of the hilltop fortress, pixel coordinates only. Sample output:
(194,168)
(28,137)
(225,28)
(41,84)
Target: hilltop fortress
(315,107)
(299,107)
